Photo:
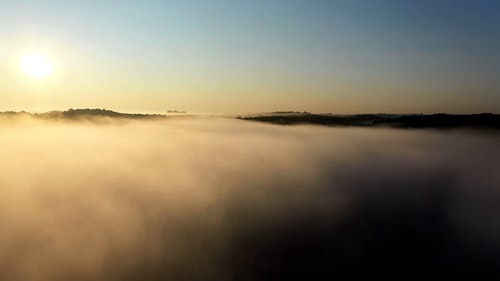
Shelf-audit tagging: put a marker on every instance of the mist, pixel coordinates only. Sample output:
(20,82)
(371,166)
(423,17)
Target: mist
(225,199)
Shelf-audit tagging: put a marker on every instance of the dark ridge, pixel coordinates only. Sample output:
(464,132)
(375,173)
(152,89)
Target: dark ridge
(176,111)
(290,112)
(438,121)
(441,120)
(81,114)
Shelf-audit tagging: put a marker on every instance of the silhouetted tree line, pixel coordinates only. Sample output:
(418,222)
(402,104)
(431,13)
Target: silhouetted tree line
(441,120)
(86,113)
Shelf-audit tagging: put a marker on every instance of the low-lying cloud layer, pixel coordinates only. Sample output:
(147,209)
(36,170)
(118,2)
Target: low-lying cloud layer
(219,199)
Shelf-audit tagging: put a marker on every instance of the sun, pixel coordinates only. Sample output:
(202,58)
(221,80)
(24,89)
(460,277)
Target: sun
(36,65)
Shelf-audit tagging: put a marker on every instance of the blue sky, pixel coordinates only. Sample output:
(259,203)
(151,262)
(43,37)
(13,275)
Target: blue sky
(326,56)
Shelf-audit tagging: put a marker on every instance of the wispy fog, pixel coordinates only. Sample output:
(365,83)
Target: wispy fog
(221,199)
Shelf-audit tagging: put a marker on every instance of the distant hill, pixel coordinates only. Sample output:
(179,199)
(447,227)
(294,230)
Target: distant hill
(439,121)
(81,114)
(289,113)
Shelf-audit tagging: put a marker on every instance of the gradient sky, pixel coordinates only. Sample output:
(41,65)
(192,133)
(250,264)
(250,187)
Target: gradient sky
(249,56)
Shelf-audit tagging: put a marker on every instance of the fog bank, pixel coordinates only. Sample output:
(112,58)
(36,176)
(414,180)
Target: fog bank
(221,199)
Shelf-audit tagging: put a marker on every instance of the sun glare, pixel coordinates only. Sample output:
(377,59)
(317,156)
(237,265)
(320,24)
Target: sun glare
(36,65)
